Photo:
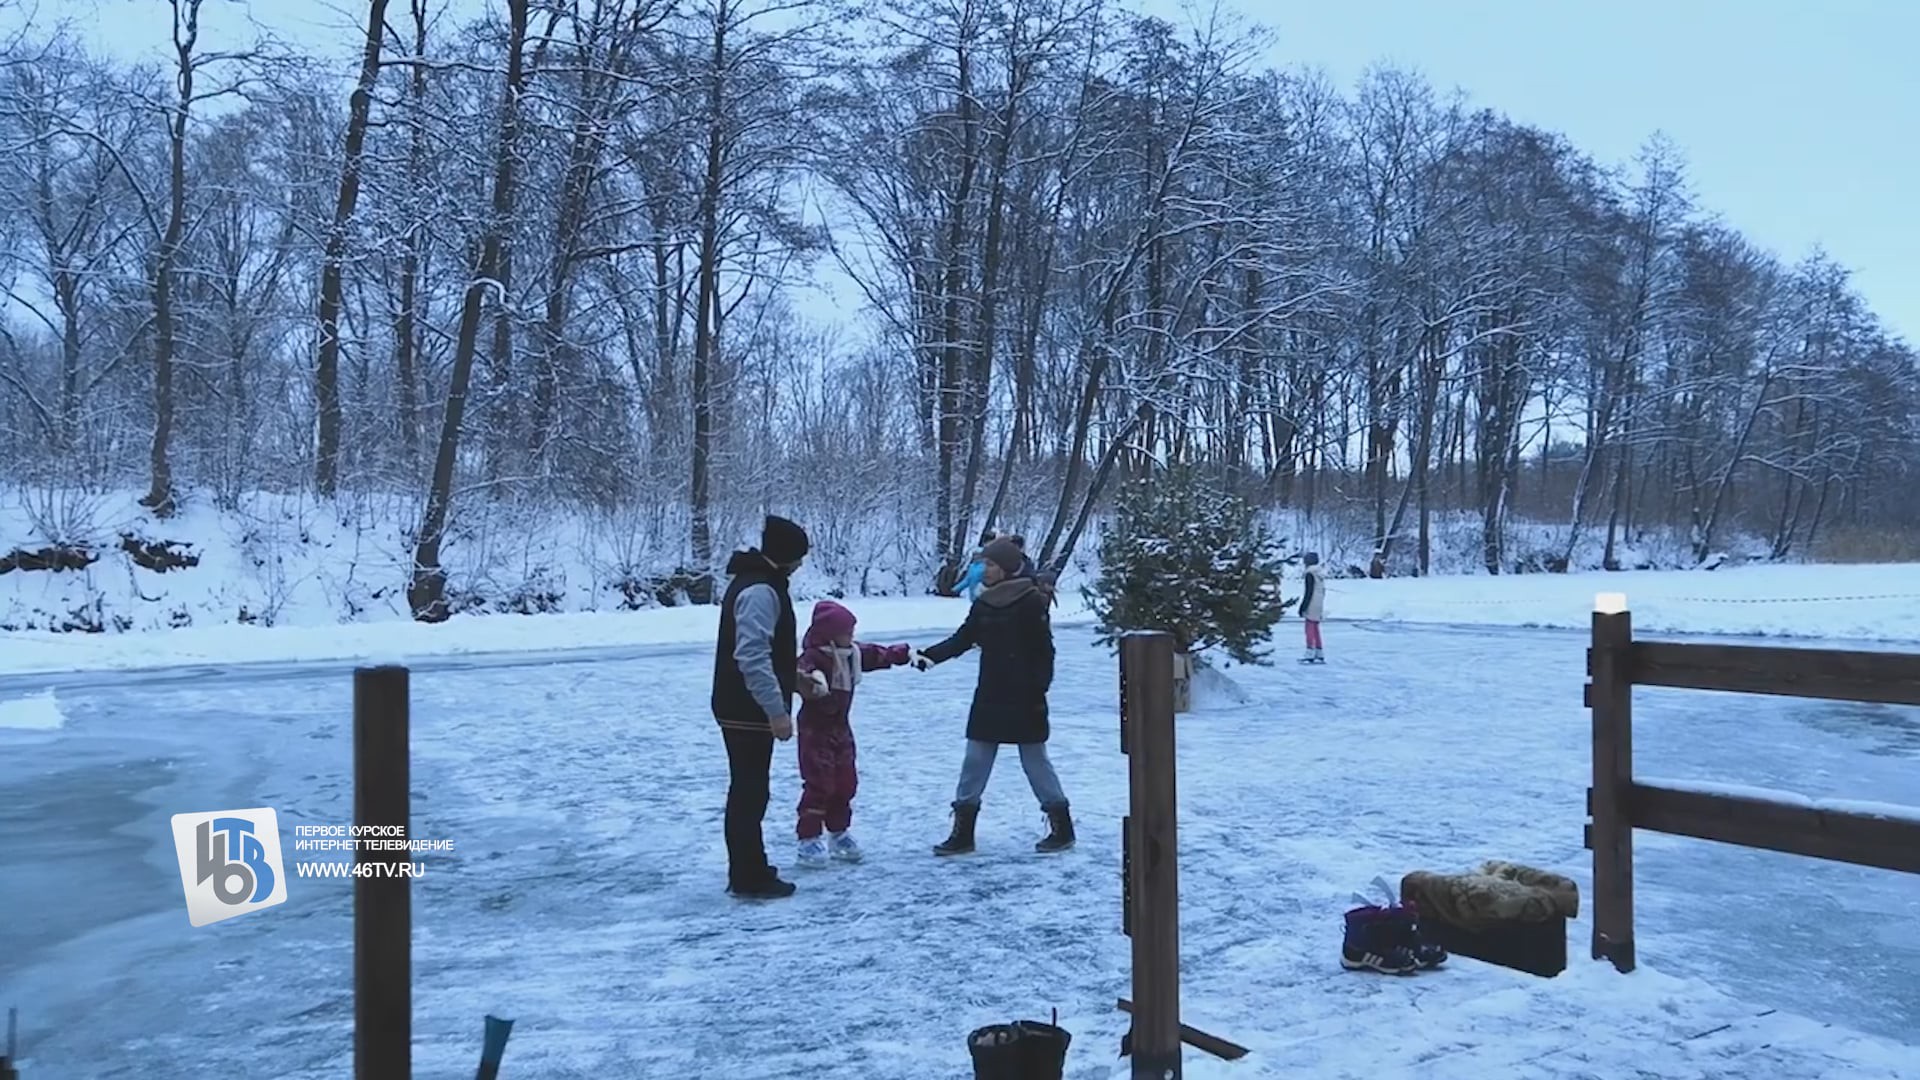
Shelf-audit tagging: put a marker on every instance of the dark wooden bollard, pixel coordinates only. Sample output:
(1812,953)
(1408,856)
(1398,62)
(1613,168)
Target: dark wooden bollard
(382,910)
(1610,697)
(1153,885)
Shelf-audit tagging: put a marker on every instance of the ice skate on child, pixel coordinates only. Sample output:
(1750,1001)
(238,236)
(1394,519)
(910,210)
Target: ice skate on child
(831,664)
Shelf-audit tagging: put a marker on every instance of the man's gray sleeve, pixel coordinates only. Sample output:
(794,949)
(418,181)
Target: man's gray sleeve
(755,613)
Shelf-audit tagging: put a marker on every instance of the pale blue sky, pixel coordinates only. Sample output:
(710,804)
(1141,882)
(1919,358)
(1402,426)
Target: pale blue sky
(1800,118)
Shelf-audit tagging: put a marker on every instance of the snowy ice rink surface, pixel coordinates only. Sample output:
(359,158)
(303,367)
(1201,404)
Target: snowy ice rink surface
(583,897)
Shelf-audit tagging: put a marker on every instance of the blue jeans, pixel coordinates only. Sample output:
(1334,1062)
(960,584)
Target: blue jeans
(977,766)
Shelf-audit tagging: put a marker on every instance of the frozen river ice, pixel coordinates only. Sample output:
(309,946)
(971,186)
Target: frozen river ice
(583,895)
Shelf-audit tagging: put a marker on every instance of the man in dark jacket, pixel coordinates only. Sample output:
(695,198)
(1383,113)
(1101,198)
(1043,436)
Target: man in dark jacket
(754,676)
(1010,625)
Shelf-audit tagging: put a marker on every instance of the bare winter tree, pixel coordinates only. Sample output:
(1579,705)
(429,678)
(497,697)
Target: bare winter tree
(326,376)
(426,591)
(74,211)
(749,64)
(167,223)
(1068,243)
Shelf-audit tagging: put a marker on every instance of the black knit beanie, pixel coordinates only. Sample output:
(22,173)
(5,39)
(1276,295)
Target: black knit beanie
(782,542)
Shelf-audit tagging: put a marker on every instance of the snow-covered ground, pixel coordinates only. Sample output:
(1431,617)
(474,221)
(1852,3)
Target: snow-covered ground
(583,894)
(288,562)
(1863,603)
(1852,602)
(291,560)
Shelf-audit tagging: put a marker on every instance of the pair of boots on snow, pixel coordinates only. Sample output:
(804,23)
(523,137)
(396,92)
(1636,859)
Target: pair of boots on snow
(960,841)
(1387,937)
(840,847)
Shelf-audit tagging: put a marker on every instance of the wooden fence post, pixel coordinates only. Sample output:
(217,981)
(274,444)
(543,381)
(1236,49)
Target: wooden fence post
(7,1069)
(1610,696)
(382,915)
(1146,674)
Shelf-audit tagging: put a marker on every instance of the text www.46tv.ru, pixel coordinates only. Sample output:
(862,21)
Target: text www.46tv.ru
(360,869)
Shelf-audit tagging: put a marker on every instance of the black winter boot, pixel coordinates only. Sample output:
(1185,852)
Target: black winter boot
(960,841)
(768,886)
(1060,830)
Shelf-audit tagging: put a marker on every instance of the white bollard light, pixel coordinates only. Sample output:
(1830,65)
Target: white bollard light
(1610,603)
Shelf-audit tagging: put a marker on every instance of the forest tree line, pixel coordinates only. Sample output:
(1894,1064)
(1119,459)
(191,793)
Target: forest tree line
(567,255)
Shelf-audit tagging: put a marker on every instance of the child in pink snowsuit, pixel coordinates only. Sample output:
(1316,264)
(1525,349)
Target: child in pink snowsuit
(1313,609)
(831,664)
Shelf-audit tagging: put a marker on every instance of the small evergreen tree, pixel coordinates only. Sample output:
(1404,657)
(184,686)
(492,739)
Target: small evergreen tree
(1191,558)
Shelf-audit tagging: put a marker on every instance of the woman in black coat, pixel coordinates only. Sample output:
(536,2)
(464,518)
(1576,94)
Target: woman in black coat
(1013,630)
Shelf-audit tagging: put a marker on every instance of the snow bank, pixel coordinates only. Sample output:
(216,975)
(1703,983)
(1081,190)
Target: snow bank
(1215,689)
(1866,808)
(1884,811)
(288,579)
(40,712)
(1854,602)
(401,641)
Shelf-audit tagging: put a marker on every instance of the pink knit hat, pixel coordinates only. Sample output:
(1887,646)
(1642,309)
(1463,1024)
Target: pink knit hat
(830,620)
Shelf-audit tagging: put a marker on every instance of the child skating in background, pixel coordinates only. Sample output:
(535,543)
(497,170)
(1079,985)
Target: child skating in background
(1313,605)
(831,664)
(969,583)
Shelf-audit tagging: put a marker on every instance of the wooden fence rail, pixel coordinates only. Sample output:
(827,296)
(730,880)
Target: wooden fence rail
(1617,804)
(1830,675)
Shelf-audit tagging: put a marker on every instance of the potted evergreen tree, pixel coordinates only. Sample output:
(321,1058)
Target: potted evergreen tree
(1188,556)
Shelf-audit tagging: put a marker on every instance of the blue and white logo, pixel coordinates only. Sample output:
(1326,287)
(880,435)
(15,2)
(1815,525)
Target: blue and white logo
(229,862)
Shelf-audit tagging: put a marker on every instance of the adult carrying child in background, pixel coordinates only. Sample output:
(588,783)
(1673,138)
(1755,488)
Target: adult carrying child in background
(975,574)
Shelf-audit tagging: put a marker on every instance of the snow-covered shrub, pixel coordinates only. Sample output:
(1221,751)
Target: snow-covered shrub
(63,517)
(1192,558)
(542,592)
